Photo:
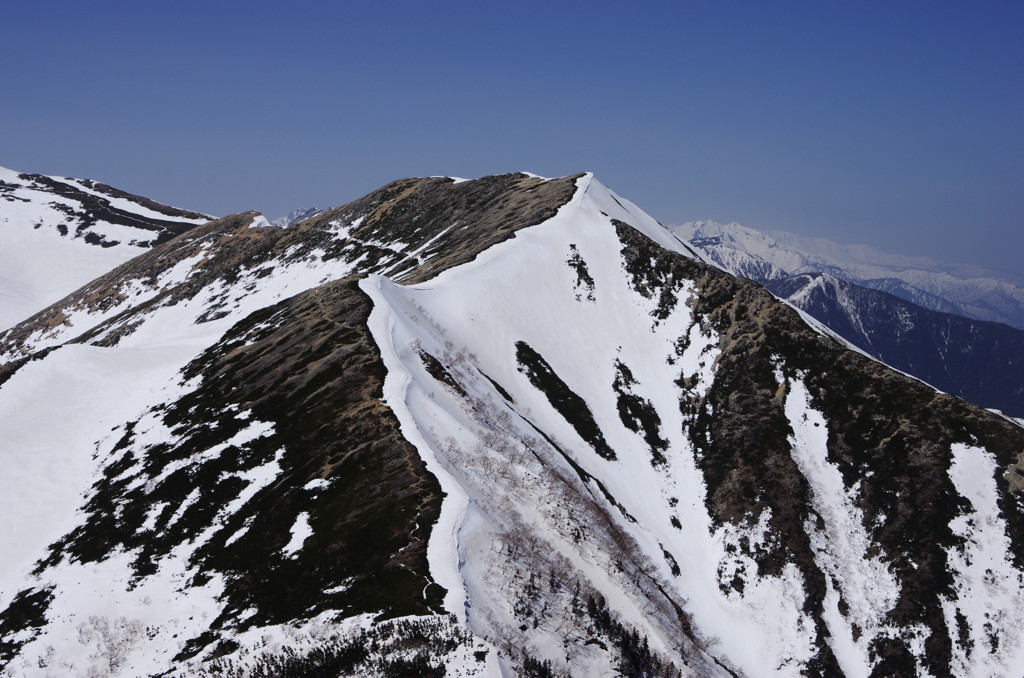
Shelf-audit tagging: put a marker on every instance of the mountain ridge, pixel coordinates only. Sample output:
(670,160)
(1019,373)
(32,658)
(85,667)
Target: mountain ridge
(500,426)
(81,228)
(967,290)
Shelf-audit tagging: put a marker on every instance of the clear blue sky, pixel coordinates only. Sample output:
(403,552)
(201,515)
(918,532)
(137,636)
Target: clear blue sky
(897,124)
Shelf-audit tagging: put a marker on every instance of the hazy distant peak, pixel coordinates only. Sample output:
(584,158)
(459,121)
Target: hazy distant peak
(974,291)
(295,216)
(830,252)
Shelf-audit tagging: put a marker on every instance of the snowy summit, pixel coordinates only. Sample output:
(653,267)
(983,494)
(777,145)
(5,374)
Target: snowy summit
(502,426)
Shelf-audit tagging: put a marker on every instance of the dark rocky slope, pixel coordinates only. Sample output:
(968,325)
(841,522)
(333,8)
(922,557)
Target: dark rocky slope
(889,435)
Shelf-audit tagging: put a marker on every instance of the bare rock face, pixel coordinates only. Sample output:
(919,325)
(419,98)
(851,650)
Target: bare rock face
(465,428)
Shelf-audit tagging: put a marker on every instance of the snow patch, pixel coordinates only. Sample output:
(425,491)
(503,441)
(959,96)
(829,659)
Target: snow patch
(301,531)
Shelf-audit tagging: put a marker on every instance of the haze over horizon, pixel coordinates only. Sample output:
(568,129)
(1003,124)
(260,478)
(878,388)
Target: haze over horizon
(895,126)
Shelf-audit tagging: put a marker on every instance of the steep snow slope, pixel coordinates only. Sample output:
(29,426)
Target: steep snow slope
(558,292)
(57,234)
(508,426)
(550,314)
(970,291)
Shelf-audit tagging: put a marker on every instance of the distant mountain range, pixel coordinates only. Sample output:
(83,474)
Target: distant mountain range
(970,291)
(926,334)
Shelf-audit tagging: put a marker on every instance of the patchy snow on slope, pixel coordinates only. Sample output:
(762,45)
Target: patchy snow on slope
(52,469)
(861,586)
(470,319)
(251,289)
(47,467)
(105,623)
(130,294)
(128,205)
(44,257)
(38,267)
(988,602)
(105,616)
(464,656)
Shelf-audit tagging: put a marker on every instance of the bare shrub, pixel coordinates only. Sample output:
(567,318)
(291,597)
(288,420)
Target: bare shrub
(113,641)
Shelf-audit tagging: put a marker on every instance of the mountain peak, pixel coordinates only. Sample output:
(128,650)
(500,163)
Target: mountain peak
(928,334)
(296,216)
(501,426)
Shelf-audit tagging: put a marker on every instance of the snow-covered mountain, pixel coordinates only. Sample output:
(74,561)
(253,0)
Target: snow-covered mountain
(970,291)
(980,361)
(295,216)
(506,426)
(56,234)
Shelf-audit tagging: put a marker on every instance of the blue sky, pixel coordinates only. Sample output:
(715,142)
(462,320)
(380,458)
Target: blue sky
(896,124)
